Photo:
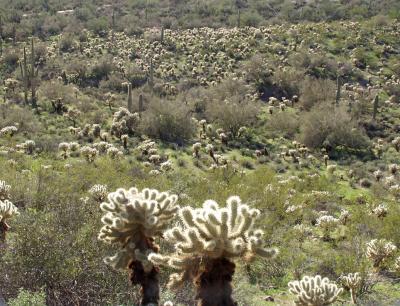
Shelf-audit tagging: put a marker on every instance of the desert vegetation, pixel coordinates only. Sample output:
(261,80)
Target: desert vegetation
(199,152)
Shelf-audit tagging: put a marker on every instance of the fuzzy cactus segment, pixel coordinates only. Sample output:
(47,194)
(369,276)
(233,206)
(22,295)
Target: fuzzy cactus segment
(7,211)
(133,218)
(206,244)
(314,291)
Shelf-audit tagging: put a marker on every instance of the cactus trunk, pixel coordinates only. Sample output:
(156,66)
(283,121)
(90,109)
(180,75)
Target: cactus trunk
(24,69)
(151,76)
(130,103)
(214,284)
(33,76)
(353,296)
(376,105)
(149,281)
(140,105)
(338,90)
(3,230)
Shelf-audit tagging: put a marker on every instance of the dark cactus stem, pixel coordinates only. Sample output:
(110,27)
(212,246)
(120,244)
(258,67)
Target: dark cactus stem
(140,105)
(151,77)
(130,102)
(376,105)
(113,26)
(162,35)
(3,230)
(338,89)
(34,73)
(149,281)
(238,19)
(214,284)
(24,73)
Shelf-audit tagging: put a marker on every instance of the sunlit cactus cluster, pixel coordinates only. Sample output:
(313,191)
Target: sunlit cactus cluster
(314,291)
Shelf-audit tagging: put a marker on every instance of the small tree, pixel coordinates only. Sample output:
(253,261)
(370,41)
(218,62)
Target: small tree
(210,238)
(132,220)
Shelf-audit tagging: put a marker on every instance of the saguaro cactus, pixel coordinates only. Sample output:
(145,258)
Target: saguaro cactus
(29,74)
(151,74)
(130,102)
(141,106)
(338,89)
(206,244)
(132,220)
(162,35)
(376,106)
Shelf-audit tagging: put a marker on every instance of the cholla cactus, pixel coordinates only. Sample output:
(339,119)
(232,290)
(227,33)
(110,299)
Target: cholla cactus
(166,166)
(380,250)
(396,143)
(210,238)
(314,291)
(8,131)
(29,146)
(4,191)
(397,264)
(64,147)
(380,211)
(114,153)
(378,174)
(196,149)
(352,281)
(7,210)
(99,192)
(393,168)
(89,153)
(331,169)
(344,216)
(132,220)
(327,224)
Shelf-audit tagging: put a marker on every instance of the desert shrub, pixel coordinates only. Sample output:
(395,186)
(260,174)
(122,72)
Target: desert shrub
(284,124)
(66,43)
(135,75)
(102,69)
(99,25)
(27,298)
(256,71)
(10,60)
(168,121)
(314,91)
(22,117)
(331,127)
(288,81)
(232,114)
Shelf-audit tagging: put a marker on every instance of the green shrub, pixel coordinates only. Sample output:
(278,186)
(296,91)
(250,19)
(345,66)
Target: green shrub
(27,298)
(168,121)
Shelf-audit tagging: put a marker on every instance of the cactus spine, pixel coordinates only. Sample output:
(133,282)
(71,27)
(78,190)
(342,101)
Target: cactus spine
(130,102)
